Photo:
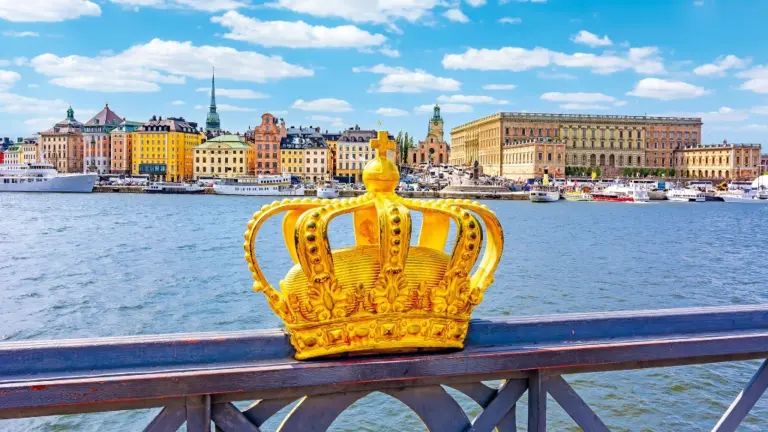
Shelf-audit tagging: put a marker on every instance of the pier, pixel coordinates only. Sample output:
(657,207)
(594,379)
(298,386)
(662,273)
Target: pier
(195,378)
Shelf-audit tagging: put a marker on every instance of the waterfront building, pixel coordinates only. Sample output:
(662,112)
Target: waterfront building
(62,145)
(764,163)
(223,156)
(212,121)
(265,140)
(14,155)
(353,151)
(304,153)
(163,149)
(610,142)
(30,150)
(720,161)
(532,158)
(433,149)
(331,139)
(121,139)
(97,143)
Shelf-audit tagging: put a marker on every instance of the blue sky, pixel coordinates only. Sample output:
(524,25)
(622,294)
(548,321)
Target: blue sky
(337,63)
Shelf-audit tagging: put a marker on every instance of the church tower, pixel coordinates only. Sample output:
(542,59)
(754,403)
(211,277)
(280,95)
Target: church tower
(436,125)
(212,122)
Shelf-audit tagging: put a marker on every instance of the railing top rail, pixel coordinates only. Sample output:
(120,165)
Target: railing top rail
(60,373)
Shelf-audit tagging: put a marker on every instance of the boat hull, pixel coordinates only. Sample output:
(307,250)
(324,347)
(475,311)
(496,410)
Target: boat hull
(687,199)
(541,197)
(734,199)
(252,190)
(327,193)
(607,198)
(175,192)
(78,183)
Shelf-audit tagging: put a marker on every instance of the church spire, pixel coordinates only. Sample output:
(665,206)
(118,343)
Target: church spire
(213,90)
(212,122)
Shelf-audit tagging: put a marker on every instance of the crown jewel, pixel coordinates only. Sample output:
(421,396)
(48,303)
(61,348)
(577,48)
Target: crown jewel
(383,293)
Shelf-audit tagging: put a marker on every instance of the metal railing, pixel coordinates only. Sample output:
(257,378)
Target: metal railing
(195,378)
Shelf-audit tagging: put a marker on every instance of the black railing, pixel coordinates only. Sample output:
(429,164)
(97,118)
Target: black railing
(195,378)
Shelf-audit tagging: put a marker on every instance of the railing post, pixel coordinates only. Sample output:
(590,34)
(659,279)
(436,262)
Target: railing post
(744,402)
(199,413)
(537,403)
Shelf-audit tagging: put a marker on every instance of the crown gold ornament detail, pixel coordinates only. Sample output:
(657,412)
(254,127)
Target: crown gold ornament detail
(382,294)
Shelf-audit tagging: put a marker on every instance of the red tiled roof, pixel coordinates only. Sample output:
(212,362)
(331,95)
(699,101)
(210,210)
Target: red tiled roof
(105,116)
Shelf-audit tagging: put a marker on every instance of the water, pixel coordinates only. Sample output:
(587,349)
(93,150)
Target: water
(122,264)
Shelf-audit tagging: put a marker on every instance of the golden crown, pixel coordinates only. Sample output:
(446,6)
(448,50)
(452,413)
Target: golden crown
(383,293)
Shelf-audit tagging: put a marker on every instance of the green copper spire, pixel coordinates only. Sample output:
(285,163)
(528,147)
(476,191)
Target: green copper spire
(212,122)
(436,116)
(70,113)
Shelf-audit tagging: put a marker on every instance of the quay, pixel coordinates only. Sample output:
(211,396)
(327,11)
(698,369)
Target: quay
(195,378)
(465,194)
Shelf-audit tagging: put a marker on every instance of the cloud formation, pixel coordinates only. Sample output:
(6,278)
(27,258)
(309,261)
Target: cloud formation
(402,80)
(323,105)
(656,88)
(47,10)
(590,39)
(721,65)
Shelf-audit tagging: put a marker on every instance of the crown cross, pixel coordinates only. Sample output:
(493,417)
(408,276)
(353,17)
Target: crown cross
(382,143)
(383,293)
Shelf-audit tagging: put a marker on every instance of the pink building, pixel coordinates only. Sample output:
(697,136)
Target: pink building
(265,140)
(97,140)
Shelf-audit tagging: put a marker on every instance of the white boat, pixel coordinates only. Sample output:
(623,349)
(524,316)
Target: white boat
(686,195)
(263,185)
(541,193)
(621,193)
(328,190)
(744,192)
(174,188)
(42,177)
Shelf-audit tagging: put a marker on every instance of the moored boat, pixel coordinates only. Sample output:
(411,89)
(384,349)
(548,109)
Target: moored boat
(542,193)
(173,188)
(686,195)
(620,193)
(42,177)
(574,194)
(329,189)
(263,185)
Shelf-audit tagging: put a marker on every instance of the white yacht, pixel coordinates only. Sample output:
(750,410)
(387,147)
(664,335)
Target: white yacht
(686,195)
(263,185)
(542,193)
(173,188)
(621,193)
(42,177)
(743,192)
(329,189)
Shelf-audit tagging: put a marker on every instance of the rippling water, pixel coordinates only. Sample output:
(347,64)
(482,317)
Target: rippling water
(122,264)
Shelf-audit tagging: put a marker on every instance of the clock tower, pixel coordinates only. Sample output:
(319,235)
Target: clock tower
(436,125)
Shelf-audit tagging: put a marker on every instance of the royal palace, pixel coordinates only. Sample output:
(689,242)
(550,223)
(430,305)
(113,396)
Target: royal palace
(523,145)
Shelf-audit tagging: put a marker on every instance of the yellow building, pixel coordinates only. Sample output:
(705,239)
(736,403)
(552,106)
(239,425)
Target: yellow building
(304,153)
(163,149)
(30,151)
(223,156)
(522,160)
(720,161)
(610,142)
(353,151)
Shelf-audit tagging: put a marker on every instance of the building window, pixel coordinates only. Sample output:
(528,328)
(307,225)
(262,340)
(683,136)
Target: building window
(540,156)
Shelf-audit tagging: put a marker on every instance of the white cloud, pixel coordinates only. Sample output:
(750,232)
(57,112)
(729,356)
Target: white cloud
(762,110)
(8,79)
(476,3)
(16,104)
(582,107)
(20,34)
(722,115)
(391,112)
(401,80)
(656,88)
(142,67)
(470,99)
(235,93)
(296,34)
(47,10)
(390,52)
(499,87)
(722,64)
(177,102)
(642,60)
(590,39)
(757,79)
(698,3)
(227,108)
(456,15)
(334,121)
(446,108)
(556,76)
(578,97)
(510,20)
(201,5)
(40,124)
(323,105)
(362,11)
